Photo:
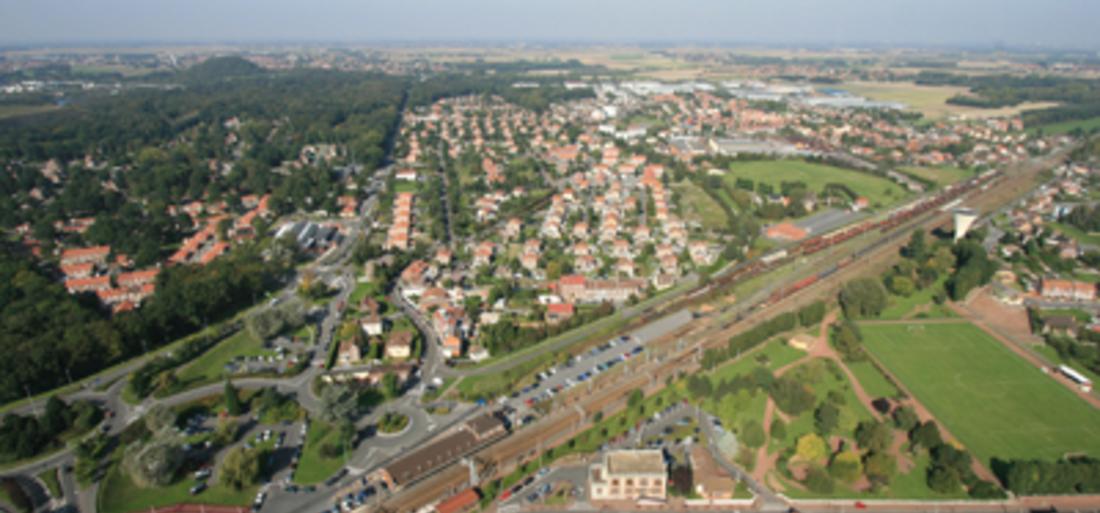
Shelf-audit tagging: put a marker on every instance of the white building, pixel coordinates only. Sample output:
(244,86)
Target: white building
(628,475)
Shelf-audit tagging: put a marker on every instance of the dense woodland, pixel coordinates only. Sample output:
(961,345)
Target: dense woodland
(50,336)
(1079,98)
(157,146)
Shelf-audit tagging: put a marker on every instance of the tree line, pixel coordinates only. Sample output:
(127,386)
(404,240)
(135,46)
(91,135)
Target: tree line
(51,336)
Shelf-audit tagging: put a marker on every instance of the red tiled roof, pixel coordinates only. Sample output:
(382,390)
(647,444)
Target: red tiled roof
(459,502)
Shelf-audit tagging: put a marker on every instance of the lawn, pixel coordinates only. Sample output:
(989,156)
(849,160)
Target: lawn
(996,403)
(873,381)
(403,186)
(1068,126)
(52,483)
(210,367)
(879,191)
(700,207)
(119,494)
(1077,234)
(823,376)
(941,175)
(771,356)
(12,111)
(314,467)
(900,307)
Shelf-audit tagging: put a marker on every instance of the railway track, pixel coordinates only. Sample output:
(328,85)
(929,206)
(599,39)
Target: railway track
(992,189)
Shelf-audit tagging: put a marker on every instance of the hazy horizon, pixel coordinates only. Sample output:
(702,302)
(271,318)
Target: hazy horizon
(1059,24)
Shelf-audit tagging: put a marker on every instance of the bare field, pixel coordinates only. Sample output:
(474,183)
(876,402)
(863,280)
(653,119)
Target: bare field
(932,100)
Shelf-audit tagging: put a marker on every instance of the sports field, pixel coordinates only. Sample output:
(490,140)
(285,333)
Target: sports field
(815,176)
(996,403)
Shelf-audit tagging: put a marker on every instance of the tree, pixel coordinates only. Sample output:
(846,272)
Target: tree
(225,432)
(986,490)
(817,480)
(241,467)
(232,400)
(901,285)
(791,396)
(810,447)
(873,436)
(880,467)
(826,417)
(926,435)
(159,418)
(944,480)
(53,419)
(846,467)
(752,434)
(847,339)
(905,418)
(862,297)
(155,463)
(389,385)
(916,249)
(779,429)
(811,314)
(635,398)
(338,403)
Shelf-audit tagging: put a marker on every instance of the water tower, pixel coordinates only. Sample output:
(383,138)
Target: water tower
(964,219)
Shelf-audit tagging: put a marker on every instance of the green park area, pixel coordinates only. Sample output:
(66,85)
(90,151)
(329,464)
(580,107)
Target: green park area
(322,454)
(1063,127)
(879,191)
(120,494)
(918,304)
(940,175)
(210,366)
(698,206)
(993,401)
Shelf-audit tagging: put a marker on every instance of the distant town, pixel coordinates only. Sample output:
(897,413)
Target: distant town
(416,279)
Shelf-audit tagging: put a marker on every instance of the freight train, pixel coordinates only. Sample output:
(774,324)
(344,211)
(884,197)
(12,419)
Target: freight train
(949,196)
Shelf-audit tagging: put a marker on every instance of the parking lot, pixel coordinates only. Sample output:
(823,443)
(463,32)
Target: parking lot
(575,372)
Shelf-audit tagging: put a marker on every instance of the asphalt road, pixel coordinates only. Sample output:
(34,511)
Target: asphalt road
(626,350)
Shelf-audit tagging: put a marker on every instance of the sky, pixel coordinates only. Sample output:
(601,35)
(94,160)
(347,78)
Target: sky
(982,23)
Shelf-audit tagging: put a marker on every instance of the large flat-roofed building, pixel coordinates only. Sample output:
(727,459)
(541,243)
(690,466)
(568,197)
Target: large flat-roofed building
(628,475)
(441,452)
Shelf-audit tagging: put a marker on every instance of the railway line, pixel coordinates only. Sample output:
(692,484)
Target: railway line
(990,189)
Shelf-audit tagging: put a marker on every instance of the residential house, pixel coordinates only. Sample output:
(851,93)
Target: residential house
(348,354)
(558,312)
(399,345)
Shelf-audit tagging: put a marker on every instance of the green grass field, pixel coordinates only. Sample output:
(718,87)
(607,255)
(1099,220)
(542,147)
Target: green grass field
(210,367)
(823,376)
(119,494)
(13,111)
(735,410)
(1076,233)
(314,467)
(941,175)
(996,403)
(873,381)
(700,207)
(878,190)
(902,307)
(52,483)
(1068,126)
